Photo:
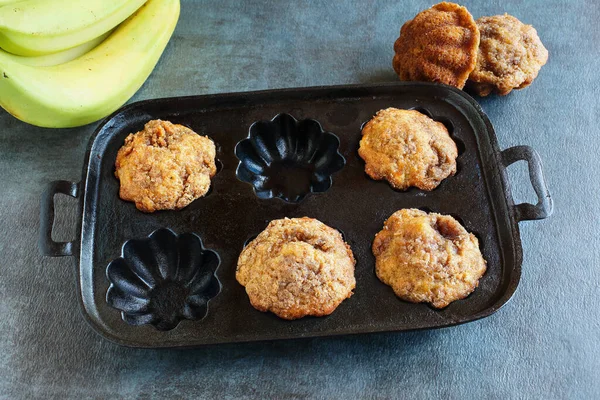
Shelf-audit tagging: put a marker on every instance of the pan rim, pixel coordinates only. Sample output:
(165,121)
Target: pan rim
(85,250)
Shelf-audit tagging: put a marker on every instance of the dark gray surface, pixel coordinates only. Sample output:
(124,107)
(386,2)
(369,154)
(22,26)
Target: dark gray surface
(544,343)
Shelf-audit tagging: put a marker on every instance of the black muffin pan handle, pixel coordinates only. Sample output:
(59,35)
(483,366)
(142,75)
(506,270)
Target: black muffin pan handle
(48,246)
(544,206)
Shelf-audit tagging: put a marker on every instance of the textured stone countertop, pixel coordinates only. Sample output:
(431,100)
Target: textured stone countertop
(543,344)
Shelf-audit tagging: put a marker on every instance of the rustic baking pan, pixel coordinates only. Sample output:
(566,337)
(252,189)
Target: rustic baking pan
(188,257)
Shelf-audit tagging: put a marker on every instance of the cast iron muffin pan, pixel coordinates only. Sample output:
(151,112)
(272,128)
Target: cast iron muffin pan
(167,279)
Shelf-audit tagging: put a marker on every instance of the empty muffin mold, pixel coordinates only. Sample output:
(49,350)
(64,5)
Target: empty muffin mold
(163,279)
(288,159)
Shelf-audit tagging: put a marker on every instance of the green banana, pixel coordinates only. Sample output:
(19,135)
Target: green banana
(96,84)
(61,57)
(37,27)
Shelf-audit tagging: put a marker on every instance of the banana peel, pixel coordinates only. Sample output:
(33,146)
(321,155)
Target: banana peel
(96,84)
(34,27)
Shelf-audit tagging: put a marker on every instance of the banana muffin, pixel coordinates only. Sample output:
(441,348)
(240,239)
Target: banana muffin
(438,45)
(297,267)
(510,56)
(165,166)
(407,148)
(427,257)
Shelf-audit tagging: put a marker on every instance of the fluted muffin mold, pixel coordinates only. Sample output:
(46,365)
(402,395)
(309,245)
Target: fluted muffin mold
(288,159)
(163,279)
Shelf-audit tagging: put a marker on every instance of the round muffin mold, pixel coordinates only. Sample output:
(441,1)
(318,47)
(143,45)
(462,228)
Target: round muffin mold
(163,279)
(288,159)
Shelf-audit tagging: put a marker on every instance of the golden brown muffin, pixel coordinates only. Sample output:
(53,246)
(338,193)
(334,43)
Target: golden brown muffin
(407,149)
(165,166)
(427,257)
(297,267)
(510,55)
(438,45)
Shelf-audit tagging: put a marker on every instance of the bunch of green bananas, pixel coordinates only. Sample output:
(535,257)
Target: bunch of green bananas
(66,63)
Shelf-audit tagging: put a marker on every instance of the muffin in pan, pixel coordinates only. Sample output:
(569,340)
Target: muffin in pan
(438,45)
(297,267)
(165,166)
(427,257)
(407,148)
(510,56)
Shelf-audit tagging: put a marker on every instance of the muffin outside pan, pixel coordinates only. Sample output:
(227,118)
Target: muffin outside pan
(478,196)
(288,159)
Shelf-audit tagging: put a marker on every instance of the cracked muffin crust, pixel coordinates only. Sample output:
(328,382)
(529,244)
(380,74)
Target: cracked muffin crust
(510,55)
(438,45)
(297,267)
(427,257)
(165,166)
(407,148)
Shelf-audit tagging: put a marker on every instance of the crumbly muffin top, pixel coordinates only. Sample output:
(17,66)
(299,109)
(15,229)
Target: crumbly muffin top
(297,267)
(510,55)
(427,257)
(165,166)
(407,148)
